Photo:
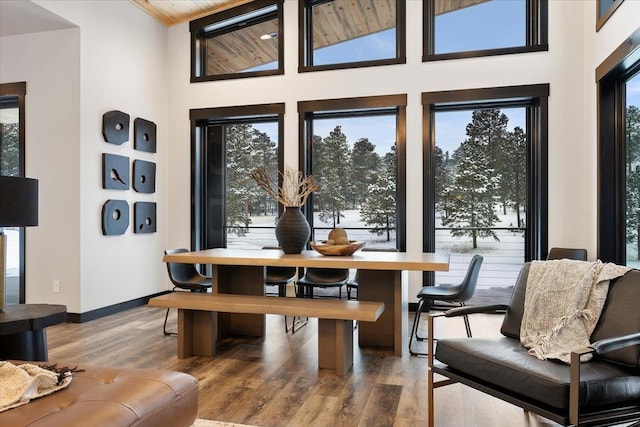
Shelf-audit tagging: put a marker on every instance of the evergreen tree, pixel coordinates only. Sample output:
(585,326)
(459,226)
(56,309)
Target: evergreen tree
(379,207)
(332,163)
(514,171)
(470,207)
(266,155)
(633,177)
(9,149)
(364,165)
(443,177)
(240,187)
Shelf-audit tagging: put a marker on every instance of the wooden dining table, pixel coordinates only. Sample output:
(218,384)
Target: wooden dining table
(383,277)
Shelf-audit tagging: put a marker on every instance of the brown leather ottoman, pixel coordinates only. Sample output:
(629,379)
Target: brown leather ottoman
(113,397)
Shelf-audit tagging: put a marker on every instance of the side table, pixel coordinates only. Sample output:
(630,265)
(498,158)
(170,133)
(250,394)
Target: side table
(22,330)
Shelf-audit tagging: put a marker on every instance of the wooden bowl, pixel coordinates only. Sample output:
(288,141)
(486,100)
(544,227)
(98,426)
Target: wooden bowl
(337,250)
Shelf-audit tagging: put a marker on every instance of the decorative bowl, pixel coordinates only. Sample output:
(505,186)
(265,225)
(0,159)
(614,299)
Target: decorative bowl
(336,250)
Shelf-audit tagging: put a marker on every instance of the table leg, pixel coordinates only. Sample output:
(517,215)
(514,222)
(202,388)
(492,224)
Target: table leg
(196,333)
(391,329)
(335,345)
(242,280)
(27,346)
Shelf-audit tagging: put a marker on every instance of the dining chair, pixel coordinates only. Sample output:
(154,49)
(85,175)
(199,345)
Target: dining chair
(322,278)
(569,253)
(452,294)
(184,276)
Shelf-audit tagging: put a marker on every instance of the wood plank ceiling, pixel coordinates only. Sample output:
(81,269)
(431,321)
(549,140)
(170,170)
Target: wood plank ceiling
(334,22)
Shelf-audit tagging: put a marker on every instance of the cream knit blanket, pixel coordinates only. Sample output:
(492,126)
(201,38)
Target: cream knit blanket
(21,383)
(562,304)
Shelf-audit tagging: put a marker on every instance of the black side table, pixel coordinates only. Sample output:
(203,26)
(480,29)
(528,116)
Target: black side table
(22,330)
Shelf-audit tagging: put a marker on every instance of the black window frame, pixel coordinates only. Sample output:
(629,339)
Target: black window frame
(308,110)
(611,76)
(602,18)
(208,220)
(17,93)
(199,34)
(535,98)
(305,50)
(537,23)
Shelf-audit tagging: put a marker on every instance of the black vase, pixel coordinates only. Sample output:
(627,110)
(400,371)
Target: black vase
(292,230)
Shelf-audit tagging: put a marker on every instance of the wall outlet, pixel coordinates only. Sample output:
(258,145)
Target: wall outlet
(56,286)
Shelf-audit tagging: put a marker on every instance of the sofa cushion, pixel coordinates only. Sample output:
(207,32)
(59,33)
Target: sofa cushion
(113,397)
(621,316)
(505,363)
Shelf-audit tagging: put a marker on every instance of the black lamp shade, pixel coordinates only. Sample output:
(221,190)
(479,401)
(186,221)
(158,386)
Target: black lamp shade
(18,201)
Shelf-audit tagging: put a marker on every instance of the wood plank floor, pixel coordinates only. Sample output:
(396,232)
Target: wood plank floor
(275,381)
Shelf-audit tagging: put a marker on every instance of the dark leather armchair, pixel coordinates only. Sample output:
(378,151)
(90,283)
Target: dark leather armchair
(603,391)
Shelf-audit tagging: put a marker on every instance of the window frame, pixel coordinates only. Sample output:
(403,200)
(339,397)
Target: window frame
(536,34)
(602,19)
(199,35)
(19,90)
(535,97)
(208,225)
(306,110)
(611,76)
(305,51)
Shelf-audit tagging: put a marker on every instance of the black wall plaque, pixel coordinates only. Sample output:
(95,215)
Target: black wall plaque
(115,127)
(115,217)
(145,217)
(115,172)
(144,176)
(144,135)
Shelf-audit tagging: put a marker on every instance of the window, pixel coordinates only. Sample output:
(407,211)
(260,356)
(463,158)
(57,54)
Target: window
(471,28)
(355,150)
(346,34)
(618,80)
(229,209)
(245,41)
(12,163)
(485,179)
(604,10)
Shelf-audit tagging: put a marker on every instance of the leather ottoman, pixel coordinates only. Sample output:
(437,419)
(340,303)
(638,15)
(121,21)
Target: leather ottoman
(113,397)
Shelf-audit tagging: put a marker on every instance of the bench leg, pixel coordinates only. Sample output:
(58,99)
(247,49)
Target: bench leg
(335,345)
(196,333)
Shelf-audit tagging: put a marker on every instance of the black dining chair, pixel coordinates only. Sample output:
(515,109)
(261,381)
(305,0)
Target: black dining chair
(281,277)
(322,278)
(451,294)
(569,253)
(184,276)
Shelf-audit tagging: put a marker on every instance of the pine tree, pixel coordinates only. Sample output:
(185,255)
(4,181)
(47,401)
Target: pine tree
(364,164)
(443,177)
(332,163)
(633,177)
(514,171)
(266,155)
(240,188)
(470,207)
(9,149)
(379,207)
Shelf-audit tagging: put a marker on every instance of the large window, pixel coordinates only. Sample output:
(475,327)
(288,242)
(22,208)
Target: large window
(355,149)
(618,80)
(468,28)
(245,41)
(485,179)
(229,209)
(12,163)
(346,33)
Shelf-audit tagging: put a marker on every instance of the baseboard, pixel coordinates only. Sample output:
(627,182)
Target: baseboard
(111,309)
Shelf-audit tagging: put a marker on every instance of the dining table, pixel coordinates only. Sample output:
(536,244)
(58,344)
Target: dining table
(382,277)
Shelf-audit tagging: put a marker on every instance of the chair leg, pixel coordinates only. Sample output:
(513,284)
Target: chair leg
(164,327)
(414,329)
(467,325)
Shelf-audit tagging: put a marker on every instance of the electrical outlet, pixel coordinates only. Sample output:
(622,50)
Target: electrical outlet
(56,286)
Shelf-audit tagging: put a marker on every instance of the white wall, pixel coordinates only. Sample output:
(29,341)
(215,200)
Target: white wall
(571,154)
(117,62)
(50,64)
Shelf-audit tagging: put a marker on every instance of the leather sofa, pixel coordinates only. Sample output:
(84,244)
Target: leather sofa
(113,397)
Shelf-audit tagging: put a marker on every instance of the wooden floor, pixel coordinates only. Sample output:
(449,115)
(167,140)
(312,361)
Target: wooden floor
(275,381)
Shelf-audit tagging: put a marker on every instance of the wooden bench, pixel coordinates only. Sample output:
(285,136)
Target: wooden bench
(197,318)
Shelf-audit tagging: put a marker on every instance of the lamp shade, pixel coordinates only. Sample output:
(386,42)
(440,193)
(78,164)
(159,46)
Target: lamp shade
(18,201)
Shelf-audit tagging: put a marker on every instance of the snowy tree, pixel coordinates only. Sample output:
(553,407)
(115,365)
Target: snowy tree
(9,149)
(332,164)
(470,205)
(266,156)
(379,207)
(443,171)
(514,171)
(633,176)
(364,165)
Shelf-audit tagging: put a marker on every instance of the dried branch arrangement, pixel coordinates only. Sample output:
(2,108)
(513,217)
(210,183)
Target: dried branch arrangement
(295,190)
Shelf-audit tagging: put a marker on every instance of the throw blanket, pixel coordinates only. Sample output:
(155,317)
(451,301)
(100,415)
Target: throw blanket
(562,304)
(21,383)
